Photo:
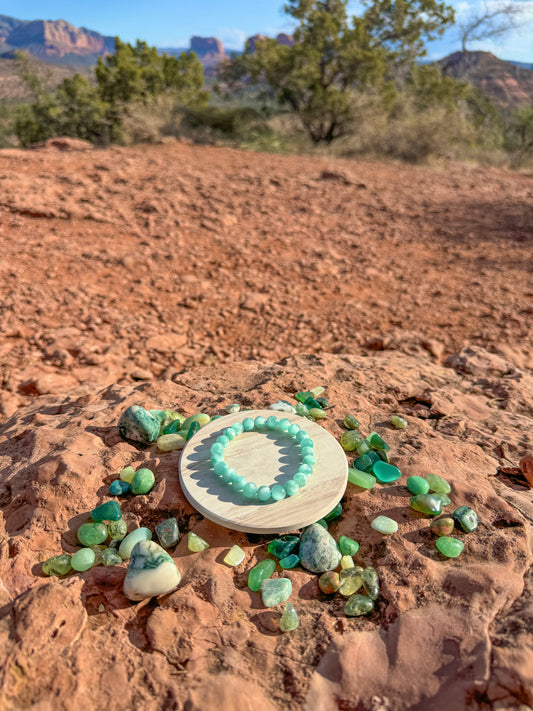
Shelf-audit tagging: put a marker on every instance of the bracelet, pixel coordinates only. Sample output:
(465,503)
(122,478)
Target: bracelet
(262,424)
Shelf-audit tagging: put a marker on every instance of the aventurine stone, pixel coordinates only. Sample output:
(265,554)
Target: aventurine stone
(110,511)
(360,478)
(143,481)
(358,605)
(438,484)
(196,544)
(119,487)
(83,559)
(137,425)
(465,518)
(291,561)
(234,556)
(385,525)
(168,532)
(386,473)
(370,582)
(426,504)
(417,485)
(442,526)
(275,591)
(329,582)
(57,565)
(289,620)
(92,534)
(449,547)
(348,546)
(334,513)
(151,572)
(318,550)
(284,546)
(131,540)
(260,572)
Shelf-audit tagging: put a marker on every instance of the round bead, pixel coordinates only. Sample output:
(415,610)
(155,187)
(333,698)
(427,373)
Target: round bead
(307,451)
(310,460)
(220,468)
(293,430)
(250,490)
(229,475)
(217,448)
(223,440)
(238,483)
(306,442)
(300,479)
(272,423)
(248,424)
(216,458)
(278,492)
(305,469)
(238,428)
(302,434)
(230,433)
(291,488)
(263,493)
(260,423)
(284,424)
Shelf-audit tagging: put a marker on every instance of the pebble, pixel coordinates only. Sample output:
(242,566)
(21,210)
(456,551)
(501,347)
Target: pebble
(417,485)
(57,565)
(360,478)
(362,447)
(131,540)
(442,526)
(110,511)
(235,556)
(449,547)
(426,504)
(83,559)
(526,467)
(234,407)
(291,561)
(370,582)
(119,487)
(351,422)
(143,481)
(438,484)
(445,499)
(117,529)
(260,572)
(348,546)
(275,591)
(92,534)
(349,440)
(168,532)
(347,562)
(196,544)
(110,557)
(377,442)
(151,572)
(366,461)
(329,582)
(193,429)
(127,474)
(351,579)
(334,513)
(283,546)
(398,422)
(386,473)
(465,518)
(289,619)
(137,425)
(201,417)
(317,413)
(318,550)
(323,402)
(170,442)
(358,605)
(282,406)
(385,525)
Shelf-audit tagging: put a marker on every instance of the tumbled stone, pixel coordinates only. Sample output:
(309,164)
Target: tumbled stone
(289,619)
(284,545)
(426,504)
(329,582)
(334,513)
(377,442)
(449,547)
(442,526)
(196,544)
(275,591)
(151,572)
(143,481)
(398,422)
(322,522)
(235,556)
(119,487)
(131,540)
(438,484)
(168,532)
(347,562)
(349,440)
(358,605)
(92,534)
(260,572)
(362,447)
(317,413)
(351,422)
(234,407)
(201,417)
(360,478)
(366,462)
(111,557)
(323,402)
(417,485)
(318,550)
(385,525)
(193,429)
(57,565)
(444,498)
(348,546)
(350,580)
(282,406)
(127,474)
(386,473)
(117,529)
(98,551)
(370,582)
(110,511)
(465,518)
(290,561)
(170,442)
(137,425)
(82,559)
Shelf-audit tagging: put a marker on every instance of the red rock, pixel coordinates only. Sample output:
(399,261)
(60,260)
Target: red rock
(526,467)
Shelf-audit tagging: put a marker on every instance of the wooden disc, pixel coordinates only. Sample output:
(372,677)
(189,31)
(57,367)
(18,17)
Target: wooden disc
(264,459)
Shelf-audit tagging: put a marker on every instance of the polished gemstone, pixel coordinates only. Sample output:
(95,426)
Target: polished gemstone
(351,422)
(417,485)
(351,579)
(117,529)
(168,532)
(318,550)
(196,544)
(82,559)
(111,557)
(465,518)
(386,473)
(347,562)
(143,481)
(360,478)
(260,572)
(449,547)
(370,582)
(170,442)
(57,565)
(348,546)
(290,561)
(137,425)
(92,534)
(289,619)
(385,525)
(284,546)
(358,605)
(426,504)
(442,526)
(110,511)
(235,556)
(438,484)
(377,442)
(151,572)
(398,422)
(349,440)
(127,474)
(275,591)
(335,513)
(127,545)
(119,487)
(329,582)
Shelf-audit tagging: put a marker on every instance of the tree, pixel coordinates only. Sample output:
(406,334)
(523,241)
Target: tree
(490,20)
(334,56)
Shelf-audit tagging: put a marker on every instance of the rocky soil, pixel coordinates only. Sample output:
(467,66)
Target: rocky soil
(219,276)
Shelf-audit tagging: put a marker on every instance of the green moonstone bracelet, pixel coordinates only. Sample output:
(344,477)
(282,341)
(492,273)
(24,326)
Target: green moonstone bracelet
(264,424)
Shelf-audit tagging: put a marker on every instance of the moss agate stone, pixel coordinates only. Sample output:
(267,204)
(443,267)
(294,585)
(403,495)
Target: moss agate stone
(442,526)
(131,540)
(57,565)
(289,619)
(417,485)
(196,544)
(137,425)
(143,481)
(385,525)
(284,546)
(168,532)
(370,582)
(260,572)
(465,518)
(274,591)
(449,547)
(329,582)
(151,572)
(110,511)
(318,550)
(386,473)
(83,559)
(358,605)
(235,556)
(348,546)
(111,557)
(291,561)
(119,487)
(362,479)
(426,504)
(92,534)
(351,580)
(117,530)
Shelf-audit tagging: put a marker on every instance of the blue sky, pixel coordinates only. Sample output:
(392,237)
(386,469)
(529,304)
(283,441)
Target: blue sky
(171,23)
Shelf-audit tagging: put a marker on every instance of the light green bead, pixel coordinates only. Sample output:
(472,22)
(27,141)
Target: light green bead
(83,559)
(299,479)
(263,493)
(238,483)
(289,619)
(250,490)
(278,492)
(291,488)
(196,544)
(143,481)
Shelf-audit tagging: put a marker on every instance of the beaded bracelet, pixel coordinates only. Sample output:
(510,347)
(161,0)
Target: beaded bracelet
(262,424)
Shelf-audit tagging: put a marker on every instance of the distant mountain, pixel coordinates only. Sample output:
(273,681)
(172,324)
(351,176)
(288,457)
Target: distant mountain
(505,83)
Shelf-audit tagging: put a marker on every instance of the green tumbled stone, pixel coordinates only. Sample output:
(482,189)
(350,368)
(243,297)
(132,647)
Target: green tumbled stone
(349,440)
(438,484)
(358,605)
(289,620)
(303,396)
(117,529)
(282,406)
(111,557)
(360,478)
(196,544)
(57,565)
(275,591)
(362,447)
(334,513)
(131,540)
(370,582)
(83,559)
(317,413)
(291,561)
(348,546)
(329,582)
(350,580)
(449,547)
(151,572)
(92,534)
(98,552)
(301,409)
(366,462)
(398,422)
(119,487)
(127,474)
(426,504)
(322,522)
(318,550)
(143,481)
(442,526)
(385,525)
(260,572)
(201,417)
(170,442)
(377,442)
(443,497)
(351,422)
(137,425)
(284,546)
(465,518)
(386,473)
(312,404)
(323,402)
(235,556)
(234,407)
(193,429)
(168,532)
(384,456)
(110,511)
(417,485)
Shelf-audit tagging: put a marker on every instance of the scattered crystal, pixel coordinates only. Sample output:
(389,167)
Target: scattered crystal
(358,605)
(385,525)
(110,557)
(168,532)
(151,572)
(131,540)
(196,544)
(351,422)
(283,546)
(275,591)
(170,442)
(348,546)
(449,547)
(386,473)
(82,559)
(291,561)
(234,556)
(260,572)
(117,529)
(347,562)
(289,620)
(426,504)
(119,487)
(334,513)
(234,407)
(127,474)
(377,442)
(318,550)
(349,440)
(91,534)
(57,565)
(442,526)
(110,511)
